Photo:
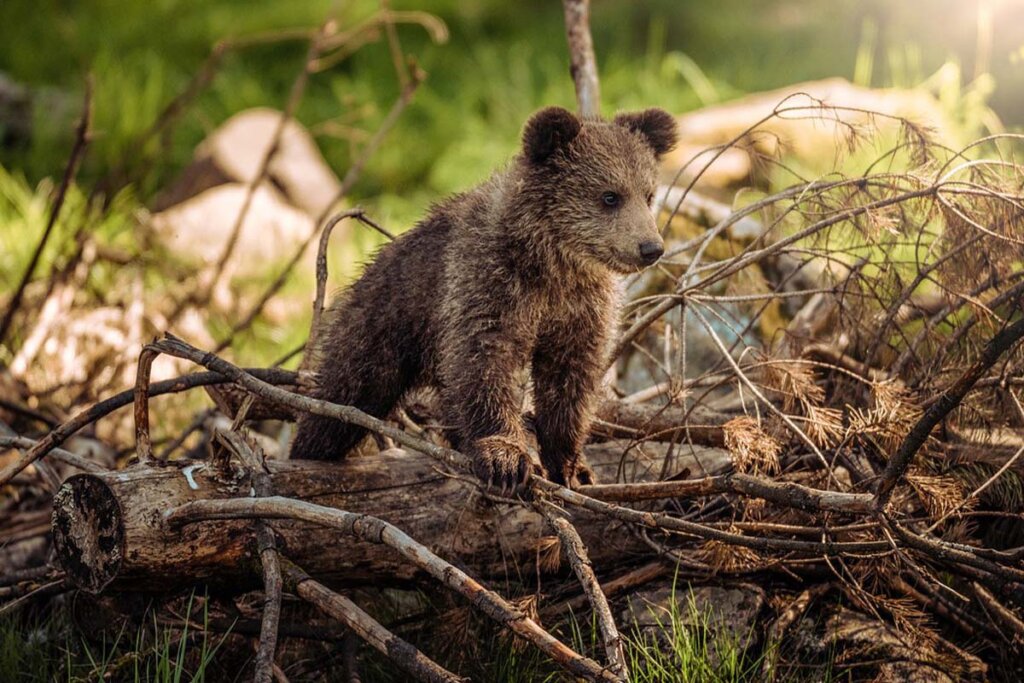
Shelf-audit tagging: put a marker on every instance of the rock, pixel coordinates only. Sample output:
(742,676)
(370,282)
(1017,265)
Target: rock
(803,134)
(728,614)
(234,152)
(199,228)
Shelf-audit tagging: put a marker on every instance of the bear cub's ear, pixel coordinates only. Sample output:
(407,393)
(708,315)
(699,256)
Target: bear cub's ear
(548,131)
(656,125)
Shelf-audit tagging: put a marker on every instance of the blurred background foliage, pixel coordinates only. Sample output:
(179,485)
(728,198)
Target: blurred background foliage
(502,61)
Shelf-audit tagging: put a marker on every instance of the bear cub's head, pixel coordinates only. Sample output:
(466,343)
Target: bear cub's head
(600,177)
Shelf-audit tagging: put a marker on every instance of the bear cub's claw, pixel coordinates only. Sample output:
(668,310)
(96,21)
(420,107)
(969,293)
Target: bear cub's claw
(584,476)
(503,465)
(573,474)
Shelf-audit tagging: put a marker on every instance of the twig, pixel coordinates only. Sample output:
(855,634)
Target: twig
(81,141)
(143,442)
(665,522)
(949,399)
(305,630)
(374,530)
(631,579)
(757,392)
(1003,613)
(59,454)
(199,82)
(398,651)
(22,409)
(294,97)
(794,611)
(54,587)
(30,574)
(350,658)
(321,265)
(576,553)
(787,494)
(98,410)
(266,547)
(948,552)
(394,46)
(173,346)
(195,425)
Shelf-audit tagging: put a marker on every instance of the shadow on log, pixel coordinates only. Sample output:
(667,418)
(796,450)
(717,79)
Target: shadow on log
(109,528)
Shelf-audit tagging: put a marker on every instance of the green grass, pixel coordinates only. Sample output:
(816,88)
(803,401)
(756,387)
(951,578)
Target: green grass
(687,650)
(690,649)
(49,649)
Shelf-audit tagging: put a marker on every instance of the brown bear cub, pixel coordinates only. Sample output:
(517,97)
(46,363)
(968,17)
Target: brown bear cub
(522,271)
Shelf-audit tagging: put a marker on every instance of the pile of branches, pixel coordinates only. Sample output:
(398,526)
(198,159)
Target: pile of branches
(860,364)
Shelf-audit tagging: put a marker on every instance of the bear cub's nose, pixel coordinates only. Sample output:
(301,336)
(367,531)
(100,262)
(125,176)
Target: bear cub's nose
(651,252)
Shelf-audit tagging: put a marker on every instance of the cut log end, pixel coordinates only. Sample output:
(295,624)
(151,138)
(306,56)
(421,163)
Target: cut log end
(88,532)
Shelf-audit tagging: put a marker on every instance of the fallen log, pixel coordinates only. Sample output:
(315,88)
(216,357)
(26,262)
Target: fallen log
(109,528)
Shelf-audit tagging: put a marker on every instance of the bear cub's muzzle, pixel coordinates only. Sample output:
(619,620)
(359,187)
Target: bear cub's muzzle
(651,251)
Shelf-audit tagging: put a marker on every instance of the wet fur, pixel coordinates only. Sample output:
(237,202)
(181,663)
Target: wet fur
(521,271)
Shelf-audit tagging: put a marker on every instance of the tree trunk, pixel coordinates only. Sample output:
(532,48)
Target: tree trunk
(108,527)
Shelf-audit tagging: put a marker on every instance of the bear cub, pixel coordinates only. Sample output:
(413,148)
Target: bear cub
(522,271)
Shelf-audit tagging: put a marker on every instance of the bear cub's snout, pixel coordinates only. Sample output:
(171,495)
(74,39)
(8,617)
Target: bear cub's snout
(651,251)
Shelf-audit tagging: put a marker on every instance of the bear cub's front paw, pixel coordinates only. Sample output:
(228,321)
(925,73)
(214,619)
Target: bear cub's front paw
(502,464)
(572,473)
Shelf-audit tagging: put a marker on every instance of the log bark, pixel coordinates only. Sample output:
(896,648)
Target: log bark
(109,528)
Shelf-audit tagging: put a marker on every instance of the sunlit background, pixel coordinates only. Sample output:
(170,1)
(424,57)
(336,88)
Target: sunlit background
(503,59)
(489,64)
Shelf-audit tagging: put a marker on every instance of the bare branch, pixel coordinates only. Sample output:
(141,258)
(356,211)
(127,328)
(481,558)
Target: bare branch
(374,530)
(404,655)
(82,135)
(583,64)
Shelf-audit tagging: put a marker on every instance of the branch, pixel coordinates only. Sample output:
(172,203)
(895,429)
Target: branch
(665,522)
(583,64)
(294,97)
(66,429)
(346,185)
(403,654)
(947,401)
(321,266)
(81,141)
(576,552)
(786,494)
(1001,611)
(374,530)
(267,549)
(59,454)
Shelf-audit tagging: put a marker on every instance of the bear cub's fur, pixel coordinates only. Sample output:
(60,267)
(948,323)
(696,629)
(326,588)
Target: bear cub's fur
(521,271)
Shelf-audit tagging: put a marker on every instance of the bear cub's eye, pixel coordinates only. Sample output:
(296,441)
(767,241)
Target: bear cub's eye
(650,199)
(610,199)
